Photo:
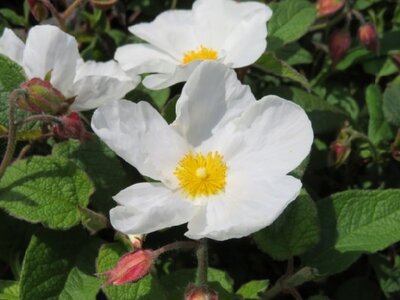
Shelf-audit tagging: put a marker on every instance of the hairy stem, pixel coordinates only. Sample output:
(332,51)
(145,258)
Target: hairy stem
(176,246)
(202,263)
(70,9)
(44,118)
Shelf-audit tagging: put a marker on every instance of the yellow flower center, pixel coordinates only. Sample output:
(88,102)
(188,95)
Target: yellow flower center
(201,175)
(202,53)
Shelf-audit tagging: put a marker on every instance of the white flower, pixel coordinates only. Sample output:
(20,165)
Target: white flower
(222,165)
(48,49)
(225,30)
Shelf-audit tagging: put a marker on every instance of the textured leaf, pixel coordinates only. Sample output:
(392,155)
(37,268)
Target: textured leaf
(353,222)
(49,190)
(391,105)
(295,231)
(144,289)
(290,21)
(102,166)
(9,290)
(269,63)
(51,263)
(175,283)
(378,129)
(388,274)
(293,54)
(251,289)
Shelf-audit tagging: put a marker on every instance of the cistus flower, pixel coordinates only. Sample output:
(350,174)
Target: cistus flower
(368,36)
(222,165)
(328,7)
(178,40)
(50,53)
(130,268)
(339,43)
(199,293)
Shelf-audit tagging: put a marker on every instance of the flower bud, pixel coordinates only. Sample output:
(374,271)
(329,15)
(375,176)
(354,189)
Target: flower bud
(340,151)
(103,4)
(339,43)
(136,240)
(328,7)
(369,37)
(38,10)
(71,127)
(131,267)
(200,293)
(42,97)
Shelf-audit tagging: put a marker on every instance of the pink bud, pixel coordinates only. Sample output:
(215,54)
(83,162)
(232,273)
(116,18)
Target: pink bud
(71,127)
(42,97)
(369,37)
(38,10)
(136,240)
(131,267)
(200,293)
(328,7)
(339,43)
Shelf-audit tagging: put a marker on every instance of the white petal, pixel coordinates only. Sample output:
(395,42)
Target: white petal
(150,207)
(247,206)
(217,20)
(171,32)
(98,83)
(211,98)
(50,49)
(11,46)
(138,133)
(144,58)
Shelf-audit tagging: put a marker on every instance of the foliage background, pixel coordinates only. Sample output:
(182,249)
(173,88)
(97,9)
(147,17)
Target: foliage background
(345,225)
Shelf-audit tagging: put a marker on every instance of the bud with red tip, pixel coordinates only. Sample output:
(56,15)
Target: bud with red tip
(200,293)
(38,10)
(71,127)
(42,97)
(368,36)
(328,7)
(131,267)
(339,43)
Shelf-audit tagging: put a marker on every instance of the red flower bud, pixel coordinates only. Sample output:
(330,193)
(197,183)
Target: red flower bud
(339,43)
(369,37)
(199,293)
(42,97)
(341,152)
(38,10)
(71,127)
(328,7)
(131,267)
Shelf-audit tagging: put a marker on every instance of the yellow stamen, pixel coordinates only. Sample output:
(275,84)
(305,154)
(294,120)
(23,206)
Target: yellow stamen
(202,53)
(201,175)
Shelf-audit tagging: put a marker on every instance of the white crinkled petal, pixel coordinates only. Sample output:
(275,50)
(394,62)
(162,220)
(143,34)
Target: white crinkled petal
(11,46)
(98,83)
(149,207)
(211,98)
(138,133)
(247,206)
(171,31)
(48,48)
(144,58)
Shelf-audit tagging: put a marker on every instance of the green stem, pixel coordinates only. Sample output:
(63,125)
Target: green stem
(12,132)
(174,4)
(202,263)
(287,285)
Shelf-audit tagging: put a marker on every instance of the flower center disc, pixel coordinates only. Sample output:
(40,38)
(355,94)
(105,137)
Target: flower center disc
(201,175)
(202,53)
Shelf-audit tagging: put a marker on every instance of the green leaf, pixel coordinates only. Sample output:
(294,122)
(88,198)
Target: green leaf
(102,166)
(293,54)
(353,222)
(391,105)
(388,274)
(358,288)
(9,290)
(176,283)
(251,289)
(295,231)
(157,97)
(51,263)
(12,17)
(290,21)
(269,63)
(363,4)
(380,67)
(144,289)
(378,129)
(49,190)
